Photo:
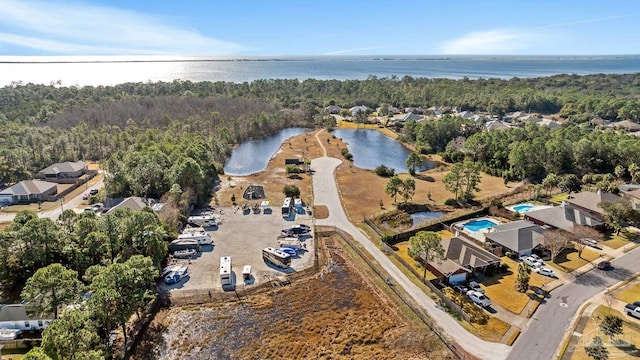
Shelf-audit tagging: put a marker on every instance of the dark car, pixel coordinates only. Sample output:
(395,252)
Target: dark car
(604,265)
(93,191)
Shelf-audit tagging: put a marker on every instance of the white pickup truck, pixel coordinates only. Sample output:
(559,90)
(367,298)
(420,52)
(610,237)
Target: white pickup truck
(633,309)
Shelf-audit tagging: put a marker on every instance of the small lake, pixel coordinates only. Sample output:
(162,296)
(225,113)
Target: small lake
(253,156)
(370,148)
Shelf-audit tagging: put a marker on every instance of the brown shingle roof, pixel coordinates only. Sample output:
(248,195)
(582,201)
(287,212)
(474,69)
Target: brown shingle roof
(589,200)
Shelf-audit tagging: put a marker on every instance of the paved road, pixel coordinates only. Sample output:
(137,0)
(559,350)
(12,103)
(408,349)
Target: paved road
(55,213)
(552,320)
(325,192)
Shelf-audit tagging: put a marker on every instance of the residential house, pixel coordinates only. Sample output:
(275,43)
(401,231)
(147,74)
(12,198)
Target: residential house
(59,172)
(413,109)
(589,201)
(494,125)
(519,237)
(631,193)
(511,117)
(14,317)
(598,121)
(465,114)
(411,116)
(479,118)
(528,118)
(358,109)
(393,110)
(134,203)
(462,258)
(565,217)
(29,191)
(333,109)
(550,123)
(627,125)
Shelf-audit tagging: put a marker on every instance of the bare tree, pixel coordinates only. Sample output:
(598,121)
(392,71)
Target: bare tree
(555,241)
(585,232)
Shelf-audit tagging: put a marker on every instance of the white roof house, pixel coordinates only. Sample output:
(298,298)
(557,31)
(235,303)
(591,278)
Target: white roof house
(28,190)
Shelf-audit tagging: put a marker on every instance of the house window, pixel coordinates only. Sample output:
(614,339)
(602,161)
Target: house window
(26,324)
(40,323)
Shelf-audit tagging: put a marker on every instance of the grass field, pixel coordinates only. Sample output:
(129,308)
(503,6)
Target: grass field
(501,288)
(493,330)
(629,293)
(568,260)
(616,241)
(631,336)
(558,198)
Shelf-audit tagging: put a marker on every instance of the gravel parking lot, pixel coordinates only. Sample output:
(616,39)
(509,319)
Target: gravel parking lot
(243,236)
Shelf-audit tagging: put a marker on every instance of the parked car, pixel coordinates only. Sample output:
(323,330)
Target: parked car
(535,257)
(531,261)
(544,271)
(85,196)
(93,191)
(476,287)
(460,288)
(479,298)
(633,309)
(603,265)
(590,242)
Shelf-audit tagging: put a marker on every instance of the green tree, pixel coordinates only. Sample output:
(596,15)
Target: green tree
(619,171)
(292,169)
(49,288)
(394,187)
(413,162)
(596,350)
(72,337)
(522,279)
(291,191)
(634,171)
(36,353)
(549,182)
(570,183)
(611,326)
(454,180)
(619,214)
(425,247)
(471,178)
(408,189)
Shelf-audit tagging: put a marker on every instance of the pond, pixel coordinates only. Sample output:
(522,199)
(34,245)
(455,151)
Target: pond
(252,156)
(370,148)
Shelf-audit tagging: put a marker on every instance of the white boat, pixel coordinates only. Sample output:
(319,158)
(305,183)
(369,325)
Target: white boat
(184,254)
(175,276)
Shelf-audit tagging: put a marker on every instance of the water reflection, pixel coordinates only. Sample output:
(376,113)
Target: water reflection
(371,148)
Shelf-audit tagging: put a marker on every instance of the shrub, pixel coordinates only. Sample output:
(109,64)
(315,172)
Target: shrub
(497,203)
(347,155)
(451,202)
(387,239)
(384,171)
(291,191)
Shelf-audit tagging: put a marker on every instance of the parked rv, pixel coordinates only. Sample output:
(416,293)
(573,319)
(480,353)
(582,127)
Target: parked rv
(176,275)
(184,244)
(202,237)
(184,254)
(203,220)
(225,271)
(276,257)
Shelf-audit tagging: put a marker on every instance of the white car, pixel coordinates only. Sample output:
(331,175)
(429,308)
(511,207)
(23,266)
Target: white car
(544,271)
(479,298)
(476,287)
(533,262)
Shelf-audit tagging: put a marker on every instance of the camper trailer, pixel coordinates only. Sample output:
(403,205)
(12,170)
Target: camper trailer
(276,257)
(184,244)
(225,271)
(203,220)
(202,237)
(290,242)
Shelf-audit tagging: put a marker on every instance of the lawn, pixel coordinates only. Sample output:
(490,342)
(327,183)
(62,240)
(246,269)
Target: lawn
(569,261)
(402,251)
(629,293)
(493,330)
(631,335)
(558,198)
(615,241)
(501,288)
(14,354)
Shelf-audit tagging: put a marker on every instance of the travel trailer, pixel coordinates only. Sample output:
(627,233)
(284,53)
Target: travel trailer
(225,271)
(276,257)
(203,220)
(202,237)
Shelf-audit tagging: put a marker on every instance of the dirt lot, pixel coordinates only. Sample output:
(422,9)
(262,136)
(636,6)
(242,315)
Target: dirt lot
(243,236)
(335,314)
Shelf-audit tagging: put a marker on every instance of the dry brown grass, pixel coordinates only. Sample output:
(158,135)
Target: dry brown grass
(629,293)
(335,315)
(320,212)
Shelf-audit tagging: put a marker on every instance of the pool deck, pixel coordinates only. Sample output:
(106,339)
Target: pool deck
(533,207)
(478,235)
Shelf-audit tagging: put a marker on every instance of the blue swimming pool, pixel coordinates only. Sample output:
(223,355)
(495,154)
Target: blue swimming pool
(523,208)
(477,225)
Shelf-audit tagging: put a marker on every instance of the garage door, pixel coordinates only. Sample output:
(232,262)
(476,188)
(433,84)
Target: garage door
(457,278)
(525,253)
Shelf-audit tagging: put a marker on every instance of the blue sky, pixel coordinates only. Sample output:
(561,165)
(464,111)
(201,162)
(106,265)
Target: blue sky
(287,27)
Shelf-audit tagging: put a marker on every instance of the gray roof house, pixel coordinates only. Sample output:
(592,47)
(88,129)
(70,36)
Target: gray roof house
(520,237)
(628,125)
(411,116)
(550,123)
(14,317)
(589,200)
(333,109)
(465,114)
(634,197)
(28,191)
(462,258)
(494,125)
(356,109)
(565,217)
(63,170)
(134,203)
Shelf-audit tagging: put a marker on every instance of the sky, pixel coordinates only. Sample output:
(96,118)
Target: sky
(331,27)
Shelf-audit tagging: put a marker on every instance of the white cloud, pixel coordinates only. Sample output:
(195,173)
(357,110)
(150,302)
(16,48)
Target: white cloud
(497,41)
(77,28)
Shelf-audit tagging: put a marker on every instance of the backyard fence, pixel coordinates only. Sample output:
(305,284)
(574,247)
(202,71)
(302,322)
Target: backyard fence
(407,300)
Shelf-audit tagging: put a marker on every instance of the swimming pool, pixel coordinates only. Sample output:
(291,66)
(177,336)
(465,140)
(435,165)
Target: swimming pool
(477,225)
(523,208)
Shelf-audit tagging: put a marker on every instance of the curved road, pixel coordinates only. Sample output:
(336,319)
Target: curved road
(325,192)
(552,320)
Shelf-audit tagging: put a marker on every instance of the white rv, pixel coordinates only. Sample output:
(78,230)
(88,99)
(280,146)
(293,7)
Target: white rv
(184,244)
(202,237)
(225,271)
(290,242)
(203,220)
